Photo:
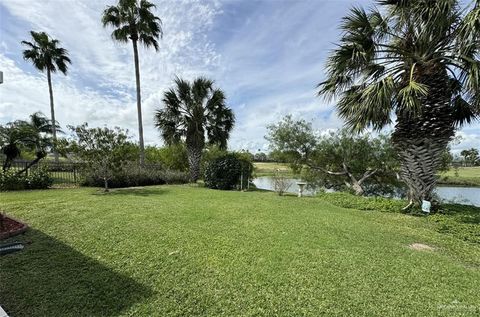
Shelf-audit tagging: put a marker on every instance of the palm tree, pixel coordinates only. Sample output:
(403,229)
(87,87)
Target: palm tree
(193,112)
(12,136)
(415,62)
(133,20)
(39,138)
(46,55)
(34,135)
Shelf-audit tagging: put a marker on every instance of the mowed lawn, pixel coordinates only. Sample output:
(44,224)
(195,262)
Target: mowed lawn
(190,251)
(270,168)
(467,176)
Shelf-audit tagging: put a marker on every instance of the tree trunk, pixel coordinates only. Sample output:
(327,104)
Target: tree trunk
(29,165)
(421,139)
(354,184)
(357,188)
(7,164)
(105,184)
(420,160)
(52,114)
(139,103)
(194,160)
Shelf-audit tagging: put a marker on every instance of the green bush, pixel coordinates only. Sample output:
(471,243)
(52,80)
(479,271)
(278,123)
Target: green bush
(457,220)
(175,177)
(9,180)
(39,179)
(36,179)
(132,175)
(172,157)
(225,172)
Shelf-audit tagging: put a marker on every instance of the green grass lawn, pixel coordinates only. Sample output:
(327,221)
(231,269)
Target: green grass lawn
(269,169)
(190,251)
(467,176)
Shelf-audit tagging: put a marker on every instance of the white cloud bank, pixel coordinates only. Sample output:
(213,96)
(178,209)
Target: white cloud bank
(100,84)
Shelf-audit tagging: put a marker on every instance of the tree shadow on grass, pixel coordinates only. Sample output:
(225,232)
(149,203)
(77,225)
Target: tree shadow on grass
(133,191)
(49,278)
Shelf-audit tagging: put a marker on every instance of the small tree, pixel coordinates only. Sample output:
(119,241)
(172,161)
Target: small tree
(12,139)
(337,159)
(470,156)
(281,184)
(260,157)
(104,150)
(19,136)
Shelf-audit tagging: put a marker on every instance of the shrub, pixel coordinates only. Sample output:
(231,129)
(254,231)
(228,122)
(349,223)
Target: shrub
(281,183)
(36,179)
(225,172)
(173,157)
(39,179)
(347,200)
(175,177)
(9,180)
(132,175)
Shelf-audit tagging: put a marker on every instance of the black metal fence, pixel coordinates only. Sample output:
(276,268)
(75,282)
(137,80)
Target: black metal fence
(61,172)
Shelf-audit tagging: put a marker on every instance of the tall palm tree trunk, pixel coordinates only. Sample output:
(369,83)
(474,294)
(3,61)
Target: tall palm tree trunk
(421,140)
(139,103)
(52,113)
(194,154)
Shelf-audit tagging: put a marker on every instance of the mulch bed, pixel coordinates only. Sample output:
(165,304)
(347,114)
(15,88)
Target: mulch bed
(11,227)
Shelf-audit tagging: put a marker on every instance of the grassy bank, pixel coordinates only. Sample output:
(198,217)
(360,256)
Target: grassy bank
(464,176)
(188,251)
(269,169)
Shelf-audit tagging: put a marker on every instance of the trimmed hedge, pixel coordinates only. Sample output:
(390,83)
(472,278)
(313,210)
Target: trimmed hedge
(131,176)
(225,172)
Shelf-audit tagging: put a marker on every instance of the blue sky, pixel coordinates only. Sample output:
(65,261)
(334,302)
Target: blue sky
(267,56)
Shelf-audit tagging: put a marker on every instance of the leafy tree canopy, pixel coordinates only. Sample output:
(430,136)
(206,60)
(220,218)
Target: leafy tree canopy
(336,159)
(104,150)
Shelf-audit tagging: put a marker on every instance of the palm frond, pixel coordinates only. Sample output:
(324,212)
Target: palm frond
(134,20)
(45,53)
(194,111)
(463,112)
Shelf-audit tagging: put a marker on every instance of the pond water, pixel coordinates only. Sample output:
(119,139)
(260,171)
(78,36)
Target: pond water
(460,195)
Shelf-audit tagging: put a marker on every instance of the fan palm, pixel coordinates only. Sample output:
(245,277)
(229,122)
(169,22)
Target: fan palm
(34,135)
(194,112)
(39,138)
(415,62)
(12,136)
(133,20)
(47,56)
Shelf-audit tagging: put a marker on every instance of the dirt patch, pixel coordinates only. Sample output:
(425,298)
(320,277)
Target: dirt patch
(421,247)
